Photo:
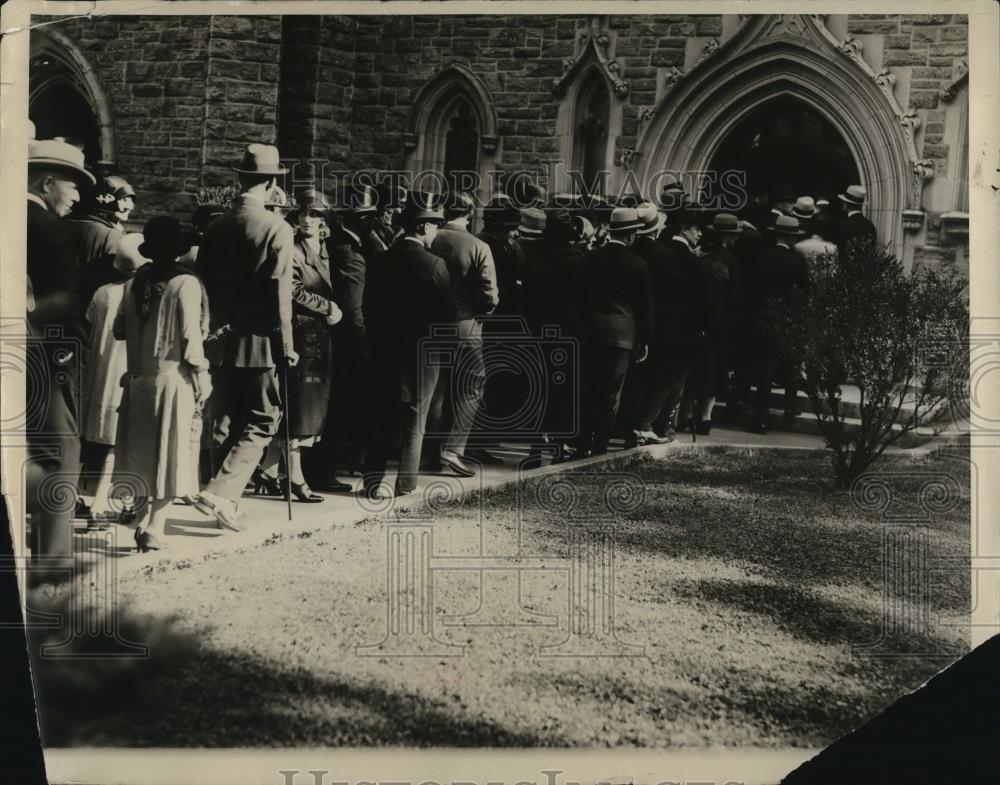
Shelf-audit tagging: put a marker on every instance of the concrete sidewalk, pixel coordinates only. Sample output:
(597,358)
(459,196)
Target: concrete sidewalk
(193,537)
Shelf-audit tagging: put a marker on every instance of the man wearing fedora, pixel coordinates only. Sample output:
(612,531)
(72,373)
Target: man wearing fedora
(682,337)
(854,227)
(384,231)
(474,282)
(618,319)
(348,269)
(56,174)
(782,277)
(245,261)
(647,385)
(408,293)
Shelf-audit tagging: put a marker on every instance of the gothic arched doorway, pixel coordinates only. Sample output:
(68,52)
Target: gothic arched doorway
(67,98)
(787,141)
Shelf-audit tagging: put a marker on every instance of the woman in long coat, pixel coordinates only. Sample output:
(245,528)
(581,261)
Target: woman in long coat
(106,363)
(309,381)
(163,319)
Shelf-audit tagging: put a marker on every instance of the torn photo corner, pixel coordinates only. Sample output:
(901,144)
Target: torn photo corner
(484,393)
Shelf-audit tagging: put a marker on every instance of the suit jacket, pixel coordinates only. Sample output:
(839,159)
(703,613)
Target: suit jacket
(471,269)
(553,281)
(687,288)
(618,304)
(783,275)
(408,292)
(245,261)
(853,228)
(508,261)
(348,272)
(664,283)
(53,267)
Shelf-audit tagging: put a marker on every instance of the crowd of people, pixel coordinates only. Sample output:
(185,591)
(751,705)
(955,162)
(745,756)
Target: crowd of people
(276,345)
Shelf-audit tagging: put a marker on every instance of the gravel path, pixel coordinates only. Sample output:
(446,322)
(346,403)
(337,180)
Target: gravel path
(742,582)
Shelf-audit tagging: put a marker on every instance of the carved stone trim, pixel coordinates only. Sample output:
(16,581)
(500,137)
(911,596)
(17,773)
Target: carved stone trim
(955,224)
(913,220)
(410,141)
(489,144)
(594,50)
(950,90)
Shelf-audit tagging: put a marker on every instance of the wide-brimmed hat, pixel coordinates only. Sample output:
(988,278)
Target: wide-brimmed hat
(671,192)
(724,223)
(624,219)
(500,212)
(532,224)
(311,199)
(422,206)
(805,208)
(783,192)
(786,224)
(62,156)
(261,159)
(650,218)
(821,203)
(127,257)
(855,195)
(164,235)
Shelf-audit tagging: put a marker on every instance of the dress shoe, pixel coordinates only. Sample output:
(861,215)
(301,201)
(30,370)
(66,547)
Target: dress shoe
(453,462)
(759,428)
(223,510)
(704,427)
(303,493)
(333,485)
(147,541)
(266,485)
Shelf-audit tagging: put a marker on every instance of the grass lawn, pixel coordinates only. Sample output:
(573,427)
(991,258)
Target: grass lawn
(745,578)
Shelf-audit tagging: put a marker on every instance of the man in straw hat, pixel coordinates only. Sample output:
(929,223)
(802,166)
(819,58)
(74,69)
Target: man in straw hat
(245,261)
(474,283)
(648,384)
(618,315)
(854,227)
(407,293)
(782,276)
(56,174)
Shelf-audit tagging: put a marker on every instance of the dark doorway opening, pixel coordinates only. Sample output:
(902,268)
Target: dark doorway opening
(785,141)
(59,110)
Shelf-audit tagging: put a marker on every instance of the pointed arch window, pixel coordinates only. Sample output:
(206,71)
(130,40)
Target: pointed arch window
(461,139)
(592,122)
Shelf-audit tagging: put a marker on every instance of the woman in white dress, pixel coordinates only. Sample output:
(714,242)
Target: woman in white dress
(106,363)
(163,318)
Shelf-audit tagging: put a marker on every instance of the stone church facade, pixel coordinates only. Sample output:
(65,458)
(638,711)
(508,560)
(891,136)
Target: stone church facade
(876,99)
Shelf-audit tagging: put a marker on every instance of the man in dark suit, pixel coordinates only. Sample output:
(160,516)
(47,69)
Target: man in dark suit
(682,287)
(245,262)
(618,318)
(648,385)
(408,292)
(55,175)
(782,278)
(854,228)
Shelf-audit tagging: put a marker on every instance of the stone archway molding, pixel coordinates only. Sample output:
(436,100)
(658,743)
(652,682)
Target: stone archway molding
(453,78)
(53,43)
(779,54)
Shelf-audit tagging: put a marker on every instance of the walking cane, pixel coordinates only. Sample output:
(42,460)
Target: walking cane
(288,438)
(691,399)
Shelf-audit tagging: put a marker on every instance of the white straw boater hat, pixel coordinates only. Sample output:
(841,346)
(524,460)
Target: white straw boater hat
(55,154)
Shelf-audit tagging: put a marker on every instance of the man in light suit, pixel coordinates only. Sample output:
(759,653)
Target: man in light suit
(408,293)
(474,282)
(55,175)
(245,262)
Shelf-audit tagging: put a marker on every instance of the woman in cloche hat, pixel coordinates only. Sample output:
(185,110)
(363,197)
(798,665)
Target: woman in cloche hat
(163,319)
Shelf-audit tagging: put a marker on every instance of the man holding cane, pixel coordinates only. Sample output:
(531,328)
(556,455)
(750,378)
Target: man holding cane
(245,261)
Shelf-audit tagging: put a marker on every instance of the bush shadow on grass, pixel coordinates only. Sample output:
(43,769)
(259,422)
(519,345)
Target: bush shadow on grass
(186,695)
